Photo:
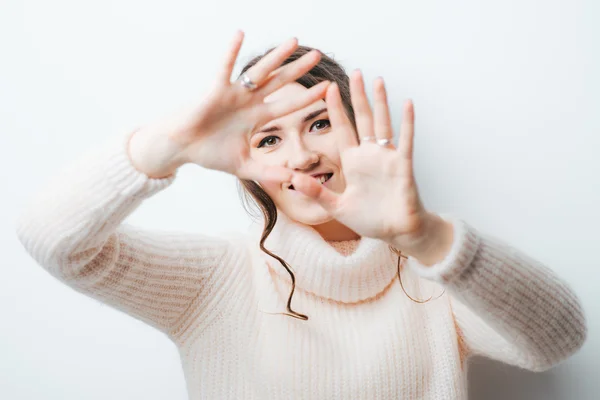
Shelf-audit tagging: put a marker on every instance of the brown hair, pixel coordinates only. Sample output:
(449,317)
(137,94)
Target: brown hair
(254,196)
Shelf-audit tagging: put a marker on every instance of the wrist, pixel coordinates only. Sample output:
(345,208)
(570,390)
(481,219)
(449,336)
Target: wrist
(152,153)
(433,243)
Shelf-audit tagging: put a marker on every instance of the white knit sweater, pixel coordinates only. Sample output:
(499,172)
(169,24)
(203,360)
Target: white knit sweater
(215,297)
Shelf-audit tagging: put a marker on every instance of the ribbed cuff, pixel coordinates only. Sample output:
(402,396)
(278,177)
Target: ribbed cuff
(458,260)
(126,178)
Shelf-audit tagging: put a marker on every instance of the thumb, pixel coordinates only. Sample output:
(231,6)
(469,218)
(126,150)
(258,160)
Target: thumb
(308,186)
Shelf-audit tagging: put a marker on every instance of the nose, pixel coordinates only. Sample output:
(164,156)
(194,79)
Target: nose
(301,157)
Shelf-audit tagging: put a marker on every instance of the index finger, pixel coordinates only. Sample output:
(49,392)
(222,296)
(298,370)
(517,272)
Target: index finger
(338,117)
(253,170)
(231,57)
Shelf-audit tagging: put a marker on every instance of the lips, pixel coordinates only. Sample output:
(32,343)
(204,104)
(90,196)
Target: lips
(321,178)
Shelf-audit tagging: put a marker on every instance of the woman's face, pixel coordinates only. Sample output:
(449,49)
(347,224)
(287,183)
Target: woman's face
(305,142)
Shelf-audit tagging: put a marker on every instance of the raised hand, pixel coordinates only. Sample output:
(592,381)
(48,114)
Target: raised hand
(381,199)
(214,133)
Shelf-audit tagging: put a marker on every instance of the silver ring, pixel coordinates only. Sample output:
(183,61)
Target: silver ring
(367,138)
(247,82)
(383,142)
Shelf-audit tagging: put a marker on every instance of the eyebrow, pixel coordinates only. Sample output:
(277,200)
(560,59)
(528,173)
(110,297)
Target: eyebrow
(306,119)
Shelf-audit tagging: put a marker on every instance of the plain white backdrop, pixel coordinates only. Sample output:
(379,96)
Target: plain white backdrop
(507,105)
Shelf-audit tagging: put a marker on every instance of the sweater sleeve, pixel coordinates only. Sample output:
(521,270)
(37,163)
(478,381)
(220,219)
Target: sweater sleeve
(73,227)
(507,306)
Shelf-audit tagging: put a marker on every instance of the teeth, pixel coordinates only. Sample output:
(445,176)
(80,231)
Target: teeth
(322,178)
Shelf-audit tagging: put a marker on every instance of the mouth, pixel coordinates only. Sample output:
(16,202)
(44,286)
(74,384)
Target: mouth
(321,178)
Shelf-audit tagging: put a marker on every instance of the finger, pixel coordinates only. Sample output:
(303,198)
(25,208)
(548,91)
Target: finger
(407,132)
(310,187)
(280,108)
(340,122)
(259,172)
(362,109)
(231,57)
(289,72)
(383,122)
(261,70)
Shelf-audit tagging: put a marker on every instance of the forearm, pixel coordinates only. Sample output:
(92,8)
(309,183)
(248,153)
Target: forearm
(537,314)
(83,204)
(153,153)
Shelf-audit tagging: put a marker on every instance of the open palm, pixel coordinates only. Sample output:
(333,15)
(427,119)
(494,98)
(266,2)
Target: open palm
(214,133)
(381,199)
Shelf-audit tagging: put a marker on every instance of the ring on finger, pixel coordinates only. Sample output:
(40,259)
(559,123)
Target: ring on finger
(247,82)
(383,142)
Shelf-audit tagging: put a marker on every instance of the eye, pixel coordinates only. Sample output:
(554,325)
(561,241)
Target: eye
(323,123)
(269,141)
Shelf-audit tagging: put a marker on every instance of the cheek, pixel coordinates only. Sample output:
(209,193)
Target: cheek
(255,154)
(325,144)
(273,157)
(273,189)
(331,151)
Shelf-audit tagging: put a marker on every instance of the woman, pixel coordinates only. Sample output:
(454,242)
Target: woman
(341,211)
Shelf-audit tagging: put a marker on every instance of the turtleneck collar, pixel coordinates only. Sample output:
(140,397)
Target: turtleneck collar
(320,269)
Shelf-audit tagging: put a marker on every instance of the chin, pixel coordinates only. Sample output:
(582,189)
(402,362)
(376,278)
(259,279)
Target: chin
(312,214)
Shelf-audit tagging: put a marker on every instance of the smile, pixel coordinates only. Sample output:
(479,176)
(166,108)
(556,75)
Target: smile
(321,178)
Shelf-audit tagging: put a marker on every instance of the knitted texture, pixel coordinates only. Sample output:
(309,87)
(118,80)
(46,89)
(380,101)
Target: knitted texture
(344,247)
(218,298)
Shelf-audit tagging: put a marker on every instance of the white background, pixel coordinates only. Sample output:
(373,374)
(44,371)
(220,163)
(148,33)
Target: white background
(506,95)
